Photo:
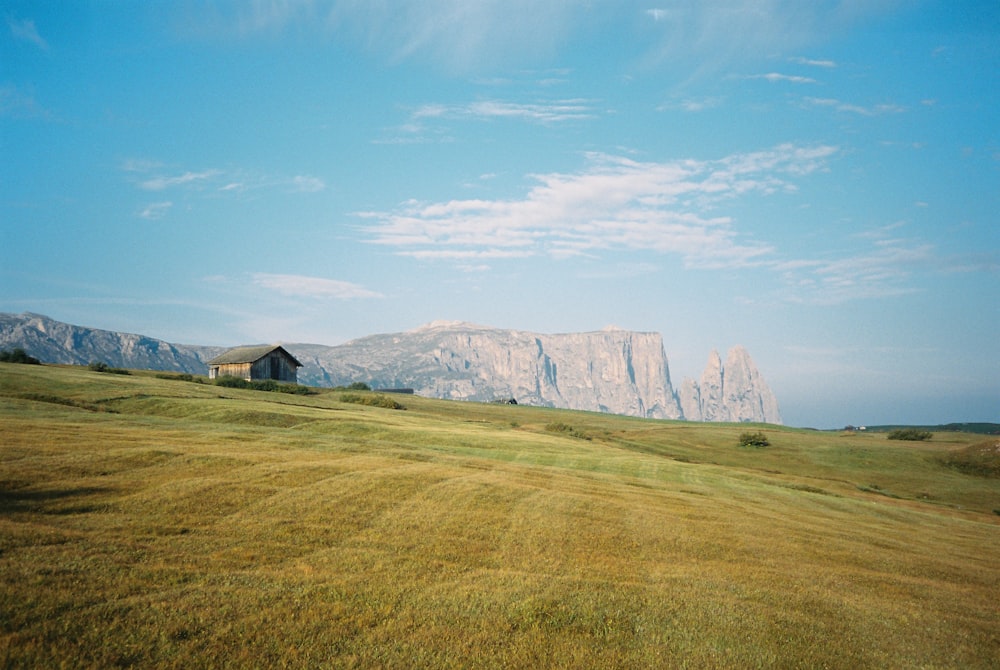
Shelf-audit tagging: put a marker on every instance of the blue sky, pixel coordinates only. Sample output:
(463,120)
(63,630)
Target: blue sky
(817,181)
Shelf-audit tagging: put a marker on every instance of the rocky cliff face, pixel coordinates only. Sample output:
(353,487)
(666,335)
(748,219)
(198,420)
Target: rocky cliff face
(56,342)
(616,371)
(734,392)
(613,370)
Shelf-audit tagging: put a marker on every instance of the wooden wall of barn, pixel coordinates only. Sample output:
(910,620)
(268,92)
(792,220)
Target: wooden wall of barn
(241,370)
(274,366)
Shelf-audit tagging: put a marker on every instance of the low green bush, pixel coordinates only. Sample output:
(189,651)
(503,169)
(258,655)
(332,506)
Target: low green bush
(910,434)
(566,429)
(101,366)
(371,400)
(262,385)
(757,439)
(181,377)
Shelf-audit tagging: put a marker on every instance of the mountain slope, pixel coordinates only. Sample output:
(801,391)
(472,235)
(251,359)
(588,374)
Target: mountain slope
(612,370)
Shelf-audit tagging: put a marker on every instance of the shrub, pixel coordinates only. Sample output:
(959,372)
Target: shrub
(181,377)
(18,355)
(566,429)
(757,439)
(374,400)
(262,385)
(101,366)
(910,434)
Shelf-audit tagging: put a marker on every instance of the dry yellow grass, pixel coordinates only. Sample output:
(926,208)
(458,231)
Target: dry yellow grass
(155,523)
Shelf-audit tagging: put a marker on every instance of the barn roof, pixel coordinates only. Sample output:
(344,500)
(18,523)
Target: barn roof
(250,355)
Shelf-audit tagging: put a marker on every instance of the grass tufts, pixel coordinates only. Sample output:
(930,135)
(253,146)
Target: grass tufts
(982,459)
(371,400)
(202,526)
(568,430)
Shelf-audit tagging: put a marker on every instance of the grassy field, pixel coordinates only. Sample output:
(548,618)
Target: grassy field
(148,522)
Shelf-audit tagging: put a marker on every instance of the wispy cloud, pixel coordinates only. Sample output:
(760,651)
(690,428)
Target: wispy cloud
(17,104)
(25,31)
(777,76)
(812,62)
(539,112)
(615,203)
(312,287)
(162,182)
(879,272)
(456,34)
(307,184)
(692,104)
(151,176)
(840,106)
(464,36)
(156,210)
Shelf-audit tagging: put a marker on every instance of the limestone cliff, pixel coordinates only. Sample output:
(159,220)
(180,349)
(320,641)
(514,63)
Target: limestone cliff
(734,392)
(612,370)
(616,371)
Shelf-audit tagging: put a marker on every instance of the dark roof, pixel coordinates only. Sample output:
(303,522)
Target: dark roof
(250,355)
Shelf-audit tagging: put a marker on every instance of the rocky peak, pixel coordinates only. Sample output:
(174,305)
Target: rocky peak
(734,392)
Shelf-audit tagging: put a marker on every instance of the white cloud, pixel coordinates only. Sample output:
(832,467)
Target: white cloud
(465,35)
(840,106)
(26,31)
(156,210)
(312,287)
(879,272)
(615,203)
(692,104)
(814,62)
(777,76)
(161,183)
(19,105)
(306,184)
(540,112)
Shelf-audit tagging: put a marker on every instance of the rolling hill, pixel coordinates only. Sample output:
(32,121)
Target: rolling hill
(154,521)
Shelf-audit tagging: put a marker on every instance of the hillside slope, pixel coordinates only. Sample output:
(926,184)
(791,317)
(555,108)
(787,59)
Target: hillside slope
(613,370)
(155,522)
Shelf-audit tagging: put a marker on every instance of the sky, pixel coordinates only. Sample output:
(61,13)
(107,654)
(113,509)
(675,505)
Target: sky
(816,181)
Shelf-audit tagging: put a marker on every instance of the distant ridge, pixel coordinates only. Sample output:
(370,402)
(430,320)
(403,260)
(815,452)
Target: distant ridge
(612,370)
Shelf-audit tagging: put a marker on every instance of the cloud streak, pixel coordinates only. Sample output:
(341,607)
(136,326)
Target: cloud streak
(312,287)
(774,77)
(614,204)
(879,272)
(840,106)
(156,210)
(25,31)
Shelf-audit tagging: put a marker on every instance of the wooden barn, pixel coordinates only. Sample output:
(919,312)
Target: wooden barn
(254,363)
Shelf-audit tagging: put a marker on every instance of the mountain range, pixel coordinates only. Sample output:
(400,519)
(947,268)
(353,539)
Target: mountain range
(611,370)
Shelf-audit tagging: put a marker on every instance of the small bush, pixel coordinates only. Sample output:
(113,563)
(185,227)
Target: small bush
(101,366)
(566,429)
(181,377)
(375,400)
(757,439)
(909,434)
(262,385)
(18,355)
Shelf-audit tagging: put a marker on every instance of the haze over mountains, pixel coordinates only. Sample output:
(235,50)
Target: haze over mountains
(612,370)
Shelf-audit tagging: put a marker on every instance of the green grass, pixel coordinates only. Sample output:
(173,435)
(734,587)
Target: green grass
(148,522)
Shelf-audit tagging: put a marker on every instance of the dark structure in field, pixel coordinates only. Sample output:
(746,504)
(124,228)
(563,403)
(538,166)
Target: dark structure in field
(255,363)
